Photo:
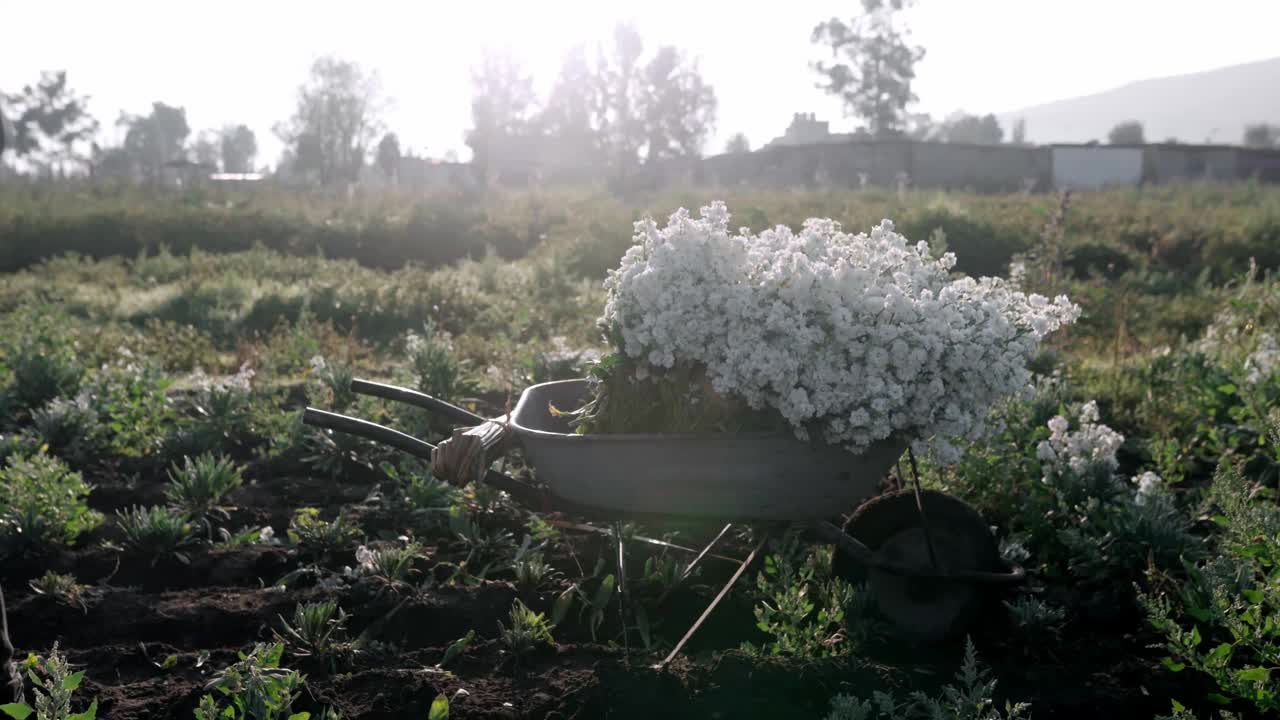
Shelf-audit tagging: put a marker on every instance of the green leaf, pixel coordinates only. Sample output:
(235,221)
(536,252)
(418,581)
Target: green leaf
(89,714)
(1253,596)
(439,709)
(1254,674)
(1219,699)
(604,592)
(1194,640)
(72,681)
(300,716)
(1173,665)
(18,711)
(1222,652)
(560,609)
(1227,389)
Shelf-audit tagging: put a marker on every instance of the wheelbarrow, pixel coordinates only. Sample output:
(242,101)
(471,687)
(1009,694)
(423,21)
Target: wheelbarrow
(929,559)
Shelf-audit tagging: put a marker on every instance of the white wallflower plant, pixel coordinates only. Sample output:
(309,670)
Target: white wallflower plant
(854,338)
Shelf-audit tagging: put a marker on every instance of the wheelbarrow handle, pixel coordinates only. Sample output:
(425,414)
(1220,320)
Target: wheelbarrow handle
(522,492)
(417,399)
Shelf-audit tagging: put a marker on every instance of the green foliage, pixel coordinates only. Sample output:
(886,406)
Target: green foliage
(43,504)
(69,426)
(44,367)
(1224,621)
(527,632)
(255,688)
(156,531)
(971,697)
(63,588)
(805,609)
(318,628)
(197,487)
(391,566)
(133,412)
(54,686)
(317,537)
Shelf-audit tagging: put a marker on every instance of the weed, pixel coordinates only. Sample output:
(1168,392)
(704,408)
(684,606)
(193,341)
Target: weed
(1037,621)
(317,537)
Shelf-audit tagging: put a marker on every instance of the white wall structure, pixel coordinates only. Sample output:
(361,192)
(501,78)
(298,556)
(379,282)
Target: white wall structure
(1094,168)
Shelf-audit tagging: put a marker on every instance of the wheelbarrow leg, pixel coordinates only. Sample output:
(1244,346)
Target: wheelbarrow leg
(720,596)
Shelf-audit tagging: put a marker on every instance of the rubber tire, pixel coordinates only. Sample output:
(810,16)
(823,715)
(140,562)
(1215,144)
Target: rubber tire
(894,518)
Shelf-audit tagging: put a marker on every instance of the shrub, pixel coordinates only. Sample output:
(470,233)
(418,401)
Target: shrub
(1222,621)
(44,367)
(43,504)
(69,426)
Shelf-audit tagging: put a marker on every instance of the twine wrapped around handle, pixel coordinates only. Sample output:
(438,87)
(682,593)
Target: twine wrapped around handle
(467,454)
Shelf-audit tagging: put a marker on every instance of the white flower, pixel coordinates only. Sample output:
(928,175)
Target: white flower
(364,557)
(1091,445)
(1149,484)
(317,364)
(267,535)
(863,336)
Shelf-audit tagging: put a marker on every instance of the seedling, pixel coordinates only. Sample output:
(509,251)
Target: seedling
(62,588)
(390,565)
(318,629)
(198,486)
(529,566)
(156,531)
(528,631)
(319,537)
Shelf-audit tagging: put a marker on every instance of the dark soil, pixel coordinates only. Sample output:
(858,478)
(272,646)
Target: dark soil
(150,636)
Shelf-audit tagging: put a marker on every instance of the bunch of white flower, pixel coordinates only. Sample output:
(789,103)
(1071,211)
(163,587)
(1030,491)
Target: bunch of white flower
(1149,486)
(1263,361)
(1092,444)
(862,336)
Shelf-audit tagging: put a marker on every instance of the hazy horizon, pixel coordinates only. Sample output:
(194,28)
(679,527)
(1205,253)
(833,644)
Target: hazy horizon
(239,62)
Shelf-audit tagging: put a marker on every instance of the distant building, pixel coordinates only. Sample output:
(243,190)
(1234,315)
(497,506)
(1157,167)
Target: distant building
(806,129)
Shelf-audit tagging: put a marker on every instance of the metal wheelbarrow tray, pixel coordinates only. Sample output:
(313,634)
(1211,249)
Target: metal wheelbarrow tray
(927,555)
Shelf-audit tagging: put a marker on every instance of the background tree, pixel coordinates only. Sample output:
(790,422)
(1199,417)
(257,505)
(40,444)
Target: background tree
(621,83)
(573,107)
(965,128)
(152,140)
(874,64)
(678,107)
(239,146)
(1262,135)
(338,115)
(50,124)
(388,156)
(205,149)
(737,143)
(501,107)
(1126,133)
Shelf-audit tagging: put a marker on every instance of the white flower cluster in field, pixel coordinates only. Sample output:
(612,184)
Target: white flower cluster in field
(1149,486)
(860,337)
(241,381)
(1263,361)
(1069,455)
(1092,444)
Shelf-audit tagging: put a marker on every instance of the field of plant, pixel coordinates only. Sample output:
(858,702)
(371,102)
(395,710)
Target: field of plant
(174,542)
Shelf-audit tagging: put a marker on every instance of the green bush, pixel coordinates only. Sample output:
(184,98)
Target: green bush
(43,504)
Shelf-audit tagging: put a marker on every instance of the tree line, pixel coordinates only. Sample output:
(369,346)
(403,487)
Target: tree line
(618,105)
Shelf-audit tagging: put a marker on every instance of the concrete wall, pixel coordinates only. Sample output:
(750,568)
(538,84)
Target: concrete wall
(1171,163)
(1094,168)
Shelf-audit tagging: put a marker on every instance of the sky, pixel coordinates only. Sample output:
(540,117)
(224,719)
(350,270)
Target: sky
(241,62)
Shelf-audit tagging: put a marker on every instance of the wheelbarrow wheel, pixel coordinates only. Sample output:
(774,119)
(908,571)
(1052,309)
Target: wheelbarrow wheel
(928,610)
